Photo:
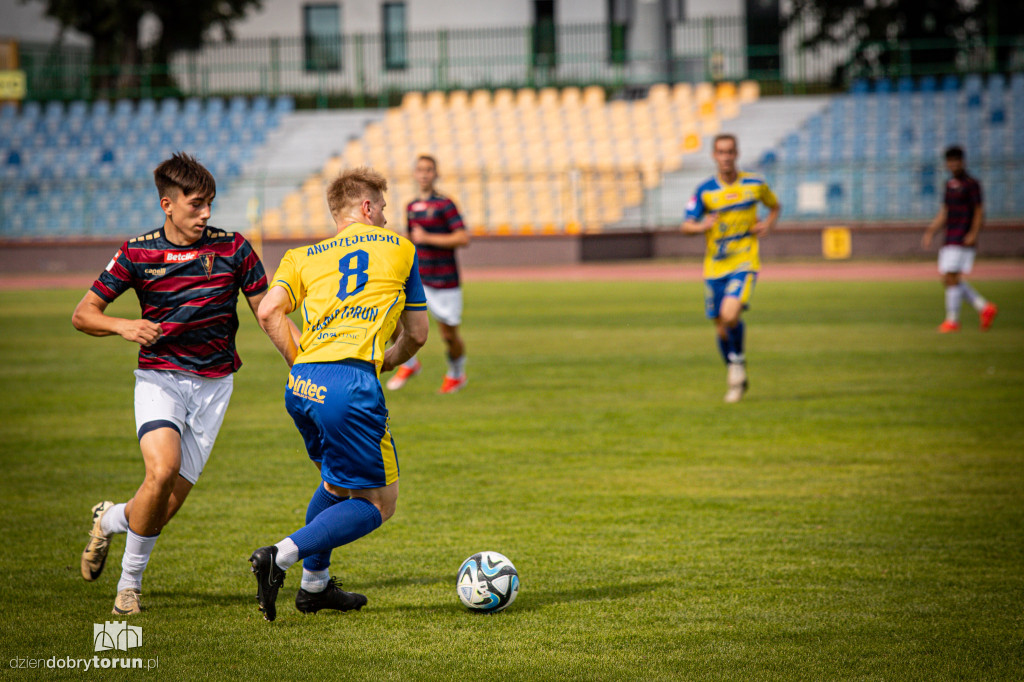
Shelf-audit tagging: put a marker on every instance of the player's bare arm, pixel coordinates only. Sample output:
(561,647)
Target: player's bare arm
(452,240)
(272,316)
(413,328)
(763,227)
(700,226)
(937,224)
(979,217)
(90,317)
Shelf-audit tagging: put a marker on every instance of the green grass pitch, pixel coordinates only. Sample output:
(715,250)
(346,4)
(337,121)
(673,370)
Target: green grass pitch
(860,515)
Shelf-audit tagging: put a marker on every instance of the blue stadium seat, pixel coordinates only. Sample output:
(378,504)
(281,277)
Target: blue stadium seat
(928,84)
(285,104)
(260,104)
(214,105)
(859,86)
(168,107)
(905,85)
(147,108)
(123,108)
(8,111)
(192,105)
(238,105)
(31,110)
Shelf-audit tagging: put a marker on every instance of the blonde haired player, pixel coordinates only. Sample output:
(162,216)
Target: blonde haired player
(724,210)
(352,290)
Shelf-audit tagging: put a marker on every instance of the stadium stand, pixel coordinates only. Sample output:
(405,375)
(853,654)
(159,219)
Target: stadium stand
(86,170)
(528,161)
(876,152)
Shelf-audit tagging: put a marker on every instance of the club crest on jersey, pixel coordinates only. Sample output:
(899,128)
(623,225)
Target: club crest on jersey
(419,206)
(180,256)
(207,260)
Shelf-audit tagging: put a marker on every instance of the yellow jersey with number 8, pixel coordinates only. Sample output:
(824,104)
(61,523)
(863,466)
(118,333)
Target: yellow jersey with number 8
(350,290)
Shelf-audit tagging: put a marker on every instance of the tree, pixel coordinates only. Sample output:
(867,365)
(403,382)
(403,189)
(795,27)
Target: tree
(939,32)
(113,26)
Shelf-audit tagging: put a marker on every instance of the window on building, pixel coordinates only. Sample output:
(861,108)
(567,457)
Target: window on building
(619,16)
(395,37)
(544,43)
(321,31)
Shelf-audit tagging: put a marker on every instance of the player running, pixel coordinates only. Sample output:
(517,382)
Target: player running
(187,276)
(724,209)
(437,230)
(962,214)
(354,290)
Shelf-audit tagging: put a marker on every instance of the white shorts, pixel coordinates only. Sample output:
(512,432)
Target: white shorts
(445,305)
(193,405)
(954,258)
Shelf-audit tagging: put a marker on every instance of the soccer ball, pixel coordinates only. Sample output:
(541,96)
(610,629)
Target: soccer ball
(487,582)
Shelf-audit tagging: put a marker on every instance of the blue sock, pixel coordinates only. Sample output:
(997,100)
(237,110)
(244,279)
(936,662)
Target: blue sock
(338,525)
(736,342)
(322,499)
(723,348)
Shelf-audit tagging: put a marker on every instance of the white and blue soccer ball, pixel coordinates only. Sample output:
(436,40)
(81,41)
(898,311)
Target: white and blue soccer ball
(487,582)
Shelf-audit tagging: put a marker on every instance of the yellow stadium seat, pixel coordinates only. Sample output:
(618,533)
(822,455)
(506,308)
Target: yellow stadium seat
(435,100)
(682,94)
(526,98)
(504,99)
(480,100)
(412,101)
(273,225)
(691,142)
(725,90)
(548,98)
(593,96)
(704,92)
(659,92)
(571,98)
(458,100)
(749,91)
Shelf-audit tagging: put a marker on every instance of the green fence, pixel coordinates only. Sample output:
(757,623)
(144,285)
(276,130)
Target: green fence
(368,69)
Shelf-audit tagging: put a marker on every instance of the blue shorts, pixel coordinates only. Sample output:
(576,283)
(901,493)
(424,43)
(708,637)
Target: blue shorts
(339,409)
(737,285)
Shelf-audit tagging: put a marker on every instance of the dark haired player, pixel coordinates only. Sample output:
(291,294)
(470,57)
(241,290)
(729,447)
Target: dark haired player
(436,228)
(187,276)
(962,214)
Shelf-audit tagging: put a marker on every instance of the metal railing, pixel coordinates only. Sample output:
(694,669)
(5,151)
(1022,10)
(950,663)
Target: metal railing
(353,69)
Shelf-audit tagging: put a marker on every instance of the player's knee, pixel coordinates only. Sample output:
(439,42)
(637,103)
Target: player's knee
(163,476)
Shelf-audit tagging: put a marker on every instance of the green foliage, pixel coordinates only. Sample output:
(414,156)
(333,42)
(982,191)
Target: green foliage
(859,515)
(945,36)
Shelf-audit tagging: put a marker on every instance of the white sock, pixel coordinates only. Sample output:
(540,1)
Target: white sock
(410,363)
(977,300)
(457,368)
(114,520)
(136,555)
(315,581)
(954,296)
(287,554)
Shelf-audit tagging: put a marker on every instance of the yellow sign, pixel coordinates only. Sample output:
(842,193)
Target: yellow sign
(836,243)
(12,85)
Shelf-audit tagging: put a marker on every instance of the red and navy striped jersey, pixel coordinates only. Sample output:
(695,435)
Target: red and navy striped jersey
(438,215)
(963,198)
(191,292)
